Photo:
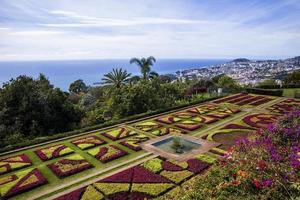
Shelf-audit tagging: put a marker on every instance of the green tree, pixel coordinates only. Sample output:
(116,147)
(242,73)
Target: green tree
(31,108)
(292,78)
(228,83)
(116,78)
(268,83)
(216,78)
(78,86)
(144,64)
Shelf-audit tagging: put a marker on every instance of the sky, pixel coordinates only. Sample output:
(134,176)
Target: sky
(106,29)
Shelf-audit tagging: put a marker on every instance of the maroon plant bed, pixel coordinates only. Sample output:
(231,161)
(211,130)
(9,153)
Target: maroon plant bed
(107,154)
(242,103)
(74,195)
(228,98)
(13,163)
(66,167)
(260,102)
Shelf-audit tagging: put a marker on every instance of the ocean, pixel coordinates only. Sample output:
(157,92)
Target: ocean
(62,73)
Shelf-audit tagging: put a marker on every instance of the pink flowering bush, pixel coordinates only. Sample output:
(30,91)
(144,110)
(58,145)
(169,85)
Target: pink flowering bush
(265,166)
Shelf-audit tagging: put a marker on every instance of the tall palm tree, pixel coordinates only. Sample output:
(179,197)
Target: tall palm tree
(116,78)
(144,64)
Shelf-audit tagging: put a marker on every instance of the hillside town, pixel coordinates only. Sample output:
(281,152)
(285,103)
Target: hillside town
(245,71)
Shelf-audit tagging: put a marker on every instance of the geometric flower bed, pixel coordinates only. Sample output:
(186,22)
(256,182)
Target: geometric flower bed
(260,120)
(189,125)
(166,130)
(184,115)
(13,163)
(53,152)
(119,134)
(133,183)
(168,119)
(229,110)
(88,142)
(226,99)
(284,106)
(244,99)
(84,193)
(145,181)
(220,115)
(147,126)
(107,153)
(133,142)
(20,182)
(70,165)
(205,119)
(203,109)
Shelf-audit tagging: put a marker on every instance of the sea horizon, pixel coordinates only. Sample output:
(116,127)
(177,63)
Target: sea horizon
(62,73)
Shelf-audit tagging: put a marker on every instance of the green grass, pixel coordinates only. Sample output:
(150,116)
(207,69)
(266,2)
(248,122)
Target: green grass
(290,92)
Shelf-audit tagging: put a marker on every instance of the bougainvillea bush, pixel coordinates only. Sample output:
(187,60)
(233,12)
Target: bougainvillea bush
(13,163)
(71,165)
(56,151)
(88,142)
(108,153)
(20,182)
(265,166)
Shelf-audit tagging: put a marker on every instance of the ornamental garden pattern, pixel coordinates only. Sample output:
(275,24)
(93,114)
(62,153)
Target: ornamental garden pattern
(120,168)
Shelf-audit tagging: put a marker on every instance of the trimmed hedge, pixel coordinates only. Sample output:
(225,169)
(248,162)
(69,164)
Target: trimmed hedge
(34,141)
(278,86)
(277,92)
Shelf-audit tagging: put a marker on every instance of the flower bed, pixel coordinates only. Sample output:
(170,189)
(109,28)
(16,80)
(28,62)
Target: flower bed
(205,119)
(229,110)
(260,120)
(229,98)
(168,119)
(260,102)
(119,133)
(203,109)
(85,193)
(184,115)
(14,162)
(234,101)
(108,153)
(220,115)
(250,100)
(56,151)
(133,142)
(189,125)
(147,126)
(20,182)
(88,142)
(165,131)
(71,165)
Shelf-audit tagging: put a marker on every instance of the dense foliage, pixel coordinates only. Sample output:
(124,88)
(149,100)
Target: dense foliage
(30,108)
(273,174)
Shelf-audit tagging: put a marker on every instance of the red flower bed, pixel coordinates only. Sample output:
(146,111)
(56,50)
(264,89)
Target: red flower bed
(14,162)
(196,166)
(189,127)
(133,143)
(260,120)
(229,98)
(121,133)
(253,99)
(88,142)
(53,152)
(240,99)
(142,175)
(31,180)
(74,195)
(170,166)
(237,126)
(260,102)
(109,153)
(168,119)
(68,167)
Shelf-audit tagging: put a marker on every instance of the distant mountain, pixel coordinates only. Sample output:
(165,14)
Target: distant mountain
(241,60)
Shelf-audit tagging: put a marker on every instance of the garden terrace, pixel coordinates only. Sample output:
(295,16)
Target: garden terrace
(109,163)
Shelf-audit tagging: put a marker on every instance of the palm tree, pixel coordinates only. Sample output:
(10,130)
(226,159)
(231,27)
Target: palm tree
(144,64)
(116,78)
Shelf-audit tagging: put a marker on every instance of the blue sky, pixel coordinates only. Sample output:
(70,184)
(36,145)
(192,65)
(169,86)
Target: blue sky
(84,29)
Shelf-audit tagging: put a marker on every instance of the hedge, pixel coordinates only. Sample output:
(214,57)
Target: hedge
(277,92)
(34,141)
(278,86)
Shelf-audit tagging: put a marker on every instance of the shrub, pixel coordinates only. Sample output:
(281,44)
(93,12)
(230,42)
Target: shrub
(278,92)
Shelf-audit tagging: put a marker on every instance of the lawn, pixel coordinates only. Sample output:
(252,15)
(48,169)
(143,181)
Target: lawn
(290,92)
(47,170)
